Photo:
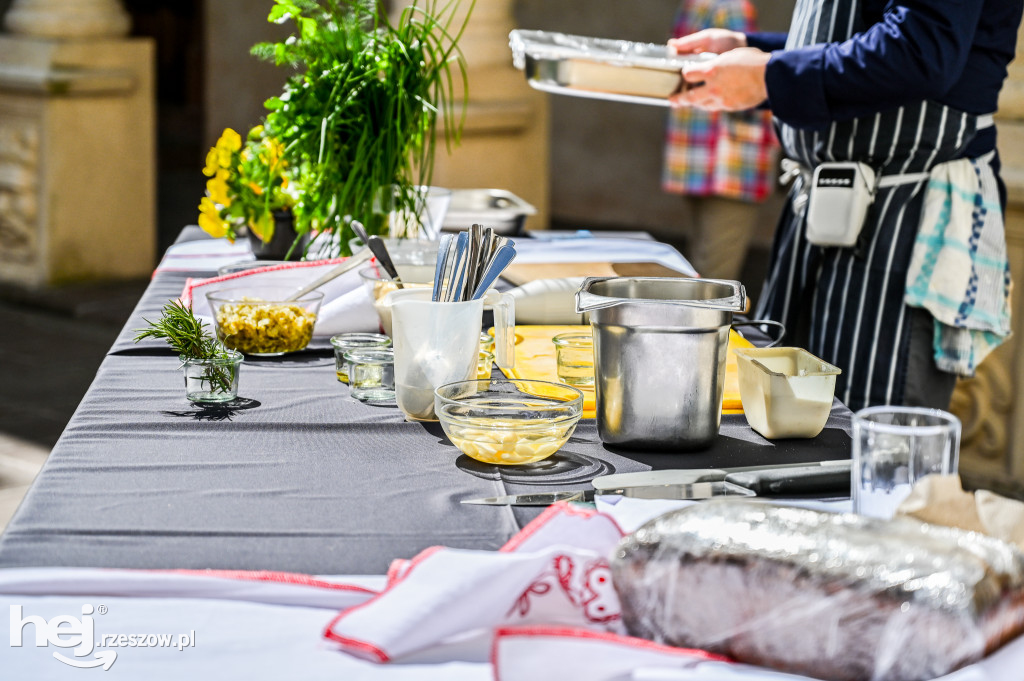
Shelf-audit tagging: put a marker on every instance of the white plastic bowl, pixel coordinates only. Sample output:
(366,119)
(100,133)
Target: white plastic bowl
(786,392)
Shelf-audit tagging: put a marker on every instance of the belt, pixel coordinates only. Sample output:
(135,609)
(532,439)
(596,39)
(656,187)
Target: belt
(791,168)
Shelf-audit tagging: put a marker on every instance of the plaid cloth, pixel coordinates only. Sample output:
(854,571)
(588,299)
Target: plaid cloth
(959,269)
(721,154)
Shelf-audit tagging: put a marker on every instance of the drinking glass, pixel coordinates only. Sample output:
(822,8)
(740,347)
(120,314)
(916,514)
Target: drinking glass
(574,355)
(894,447)
(350,341)
(371,374)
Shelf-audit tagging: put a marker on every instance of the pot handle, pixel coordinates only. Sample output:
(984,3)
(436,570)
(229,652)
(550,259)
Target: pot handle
(779,326)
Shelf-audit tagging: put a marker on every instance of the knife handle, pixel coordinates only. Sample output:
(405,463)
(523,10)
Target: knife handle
(800,480)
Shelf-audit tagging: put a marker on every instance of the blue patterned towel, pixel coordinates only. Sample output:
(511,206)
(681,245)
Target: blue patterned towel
(959,270)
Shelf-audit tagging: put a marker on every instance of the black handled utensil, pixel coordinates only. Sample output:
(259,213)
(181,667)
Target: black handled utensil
(379,249)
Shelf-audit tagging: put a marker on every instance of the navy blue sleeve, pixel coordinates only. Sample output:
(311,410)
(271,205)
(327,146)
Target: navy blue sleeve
(766,42)
(917,51)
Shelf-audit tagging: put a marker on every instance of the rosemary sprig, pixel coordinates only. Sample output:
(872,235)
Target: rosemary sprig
(189,337)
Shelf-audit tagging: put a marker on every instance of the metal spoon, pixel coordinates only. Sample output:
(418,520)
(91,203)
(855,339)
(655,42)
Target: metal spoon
(360,231)
(379,249)
(502,257)
(442,260)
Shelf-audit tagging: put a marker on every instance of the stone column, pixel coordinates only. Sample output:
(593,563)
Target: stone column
(63,19)
(77,144)
(505,140)
(991,405)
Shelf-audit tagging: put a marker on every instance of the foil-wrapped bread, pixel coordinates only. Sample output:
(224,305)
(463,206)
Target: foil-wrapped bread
(832,596)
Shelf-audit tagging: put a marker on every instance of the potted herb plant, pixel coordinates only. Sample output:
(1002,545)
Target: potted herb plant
(358,117)
(249,188)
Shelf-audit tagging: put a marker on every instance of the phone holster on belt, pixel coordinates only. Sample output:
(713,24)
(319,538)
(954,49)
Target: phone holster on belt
(840,194)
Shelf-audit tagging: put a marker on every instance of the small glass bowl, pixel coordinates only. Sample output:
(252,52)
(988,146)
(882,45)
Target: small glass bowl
(574,356)
(257,320)
(483,367)
(212,381)
(371,373)
(486,342)
(342,343)
(508,422)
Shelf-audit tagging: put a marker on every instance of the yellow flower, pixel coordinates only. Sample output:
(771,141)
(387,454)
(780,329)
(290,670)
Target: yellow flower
(212,162)
(256,189)
(217,188)
(230,140)
(228,143)
(210,220)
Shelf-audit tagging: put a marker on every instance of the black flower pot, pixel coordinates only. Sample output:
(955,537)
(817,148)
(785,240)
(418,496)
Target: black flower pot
(284,237)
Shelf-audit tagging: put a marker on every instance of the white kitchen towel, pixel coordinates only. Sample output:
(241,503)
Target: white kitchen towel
(553,572)
(959,269)
(346,306)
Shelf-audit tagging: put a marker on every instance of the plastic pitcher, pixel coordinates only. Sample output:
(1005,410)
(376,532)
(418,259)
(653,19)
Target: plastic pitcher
(437,343)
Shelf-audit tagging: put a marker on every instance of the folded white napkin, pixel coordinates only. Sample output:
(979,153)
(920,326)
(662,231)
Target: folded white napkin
(346,306)
(554,571)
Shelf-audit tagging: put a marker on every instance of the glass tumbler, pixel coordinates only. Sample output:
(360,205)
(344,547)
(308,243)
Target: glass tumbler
(371,374)
(893,448)
(351,341)
(483,367)
(574,354)
(212,381)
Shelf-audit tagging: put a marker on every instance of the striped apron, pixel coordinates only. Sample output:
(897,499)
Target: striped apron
(845,305)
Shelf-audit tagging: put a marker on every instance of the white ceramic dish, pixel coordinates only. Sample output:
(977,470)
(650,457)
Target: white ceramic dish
(786,392)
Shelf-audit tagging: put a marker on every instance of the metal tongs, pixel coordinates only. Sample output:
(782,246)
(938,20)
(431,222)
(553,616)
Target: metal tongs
(469,264)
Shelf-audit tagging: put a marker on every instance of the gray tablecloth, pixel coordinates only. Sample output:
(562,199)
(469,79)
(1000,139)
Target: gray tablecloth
(295,475)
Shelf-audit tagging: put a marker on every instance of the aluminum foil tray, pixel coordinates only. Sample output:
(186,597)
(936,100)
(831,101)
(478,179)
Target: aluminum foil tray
(600,68)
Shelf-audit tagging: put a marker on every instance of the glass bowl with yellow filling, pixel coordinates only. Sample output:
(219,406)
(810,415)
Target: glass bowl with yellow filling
(508,422)
(258,320)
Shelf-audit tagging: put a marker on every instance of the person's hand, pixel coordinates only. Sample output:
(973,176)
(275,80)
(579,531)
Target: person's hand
(733,81)
(717,40)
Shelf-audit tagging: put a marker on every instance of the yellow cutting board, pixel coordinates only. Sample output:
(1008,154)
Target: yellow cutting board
(535,360)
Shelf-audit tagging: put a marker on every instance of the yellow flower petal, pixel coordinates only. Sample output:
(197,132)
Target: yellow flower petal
(213,226)
(217,188)
(263,227)
(230,140)
(211,162)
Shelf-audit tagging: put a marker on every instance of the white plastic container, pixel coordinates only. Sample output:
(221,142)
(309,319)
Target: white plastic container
(786,392)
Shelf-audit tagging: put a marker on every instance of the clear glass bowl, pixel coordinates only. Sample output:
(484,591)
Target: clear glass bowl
(371,374)
(344,342)
(256,320)
(508,422)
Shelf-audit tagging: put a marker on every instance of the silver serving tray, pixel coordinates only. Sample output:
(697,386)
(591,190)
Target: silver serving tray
(501,210)
(600,68)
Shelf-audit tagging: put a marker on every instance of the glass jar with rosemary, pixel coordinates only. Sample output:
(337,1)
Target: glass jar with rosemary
(211,370)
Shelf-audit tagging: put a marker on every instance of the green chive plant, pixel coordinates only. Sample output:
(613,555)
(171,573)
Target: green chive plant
(358,117)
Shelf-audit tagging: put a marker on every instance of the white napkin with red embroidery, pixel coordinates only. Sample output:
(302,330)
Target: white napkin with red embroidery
(346,306)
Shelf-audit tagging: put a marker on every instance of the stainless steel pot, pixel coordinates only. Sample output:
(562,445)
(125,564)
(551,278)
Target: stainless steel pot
(659,357)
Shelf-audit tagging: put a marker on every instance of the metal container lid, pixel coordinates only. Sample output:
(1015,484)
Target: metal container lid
(666,302)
